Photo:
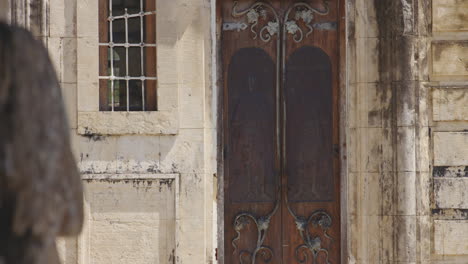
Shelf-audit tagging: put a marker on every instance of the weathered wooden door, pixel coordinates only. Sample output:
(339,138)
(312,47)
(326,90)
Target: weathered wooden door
(280,123)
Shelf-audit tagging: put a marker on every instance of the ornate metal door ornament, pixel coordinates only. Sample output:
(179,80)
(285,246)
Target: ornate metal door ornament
(313,245)
(304,12)
(262,223)
(255,12)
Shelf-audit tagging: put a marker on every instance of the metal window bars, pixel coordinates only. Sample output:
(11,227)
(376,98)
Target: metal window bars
(127,45)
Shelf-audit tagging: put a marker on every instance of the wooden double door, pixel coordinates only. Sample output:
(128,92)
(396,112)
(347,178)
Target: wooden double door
(281,135)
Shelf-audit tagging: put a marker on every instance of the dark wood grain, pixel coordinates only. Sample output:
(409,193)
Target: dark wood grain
(307,161)
(309,126)
(251,112)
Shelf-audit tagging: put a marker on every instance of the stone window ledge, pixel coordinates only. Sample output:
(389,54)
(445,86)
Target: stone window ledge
(125,123)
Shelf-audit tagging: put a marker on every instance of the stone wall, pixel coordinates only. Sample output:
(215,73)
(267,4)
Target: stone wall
(449,122)
(149,190)
(407,73)
(150,178)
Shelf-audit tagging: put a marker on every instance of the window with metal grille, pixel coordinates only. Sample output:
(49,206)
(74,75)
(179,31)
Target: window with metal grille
(127,55)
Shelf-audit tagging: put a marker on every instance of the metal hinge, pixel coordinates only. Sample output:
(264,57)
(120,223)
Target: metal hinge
(234,26)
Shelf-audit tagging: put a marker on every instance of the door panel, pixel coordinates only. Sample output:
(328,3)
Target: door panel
(309,126)
(280,131)
(252,118)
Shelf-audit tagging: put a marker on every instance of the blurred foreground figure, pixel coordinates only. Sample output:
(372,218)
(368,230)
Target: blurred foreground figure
(40,188)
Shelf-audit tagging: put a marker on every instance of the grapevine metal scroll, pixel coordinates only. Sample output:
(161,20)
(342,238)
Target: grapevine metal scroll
(311,244)
(304,12)
(262,223)
(254,13)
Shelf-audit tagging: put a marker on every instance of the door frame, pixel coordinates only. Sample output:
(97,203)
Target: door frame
(343,84)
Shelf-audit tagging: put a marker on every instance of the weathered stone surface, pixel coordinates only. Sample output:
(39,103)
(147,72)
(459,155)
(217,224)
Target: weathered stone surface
(450,104)
(451,172)
(450,238)
(450,59)
(451,193)
(449,15)
(129,221)
(122,123)
(450,148)
(62,18)
(5,11)
(87,96)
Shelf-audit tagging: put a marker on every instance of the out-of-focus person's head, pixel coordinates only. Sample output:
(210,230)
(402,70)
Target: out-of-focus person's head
(40,188)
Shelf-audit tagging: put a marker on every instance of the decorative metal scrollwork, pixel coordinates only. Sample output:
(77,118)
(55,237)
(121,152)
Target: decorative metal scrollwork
(312,244)
(262,223)
(304,12)
(319,219)
(254,13)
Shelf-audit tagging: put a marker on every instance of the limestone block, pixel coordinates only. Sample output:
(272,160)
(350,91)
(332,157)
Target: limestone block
(97,154)
(88,59)
(211,151)
(406,193)
(450,148)
(424,103)
(406,144)
(367,59)
(5,11)
(366,109)
(387,181)
(62,18)
(87,17)
(122,123)
(191,106)
(370,194)
(137,154)
(450,237)
(190,248)
(423,150)
(168,96)
(406,103)
(423,193)
(449,15)
(69,60)
(69,98)
(63,55)
(68,250)
(192,192)
(450,104)
(450,60)
(424,238)
(191,62)
(130,221)
(167,67)
(183,153)
(451,193)
(366,19)
(405,229)
(54,47)
(371,149)
(88,97)
(353,193)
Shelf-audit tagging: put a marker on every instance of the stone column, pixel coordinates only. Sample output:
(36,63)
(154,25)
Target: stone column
(5,11)
(31,14)
(402,61)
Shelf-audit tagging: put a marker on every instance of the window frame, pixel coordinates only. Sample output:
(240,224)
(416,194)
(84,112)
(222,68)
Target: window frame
(149,74)
(89,120)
